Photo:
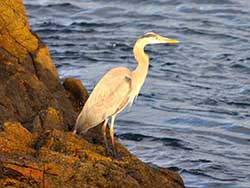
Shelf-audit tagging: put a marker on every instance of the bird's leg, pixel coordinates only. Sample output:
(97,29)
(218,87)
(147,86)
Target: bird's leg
(104,127)
(112,135)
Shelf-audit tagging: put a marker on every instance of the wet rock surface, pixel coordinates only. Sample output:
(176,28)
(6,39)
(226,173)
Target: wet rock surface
(37,112)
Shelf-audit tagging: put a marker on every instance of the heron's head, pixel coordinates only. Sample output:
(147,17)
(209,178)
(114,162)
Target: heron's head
(153,38)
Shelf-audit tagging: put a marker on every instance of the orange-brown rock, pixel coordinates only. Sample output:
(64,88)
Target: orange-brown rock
(76,92)
(47,120)
(37,150)
(15,138)
(64,160)
(26,67)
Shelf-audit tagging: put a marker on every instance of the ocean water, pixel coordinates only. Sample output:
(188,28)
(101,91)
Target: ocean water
(193,112)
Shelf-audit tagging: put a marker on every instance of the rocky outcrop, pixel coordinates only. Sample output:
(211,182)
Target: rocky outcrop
(37,112)
(76,93)
(29,81)
(60,159)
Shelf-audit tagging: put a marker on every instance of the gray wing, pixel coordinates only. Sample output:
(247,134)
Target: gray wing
(110,95)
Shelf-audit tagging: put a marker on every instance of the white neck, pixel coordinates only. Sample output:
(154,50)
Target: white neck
(140,73)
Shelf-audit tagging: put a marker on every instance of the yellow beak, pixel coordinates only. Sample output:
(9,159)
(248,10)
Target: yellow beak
(167,40)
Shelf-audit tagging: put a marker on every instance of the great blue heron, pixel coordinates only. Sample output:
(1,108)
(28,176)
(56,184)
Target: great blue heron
(116,89)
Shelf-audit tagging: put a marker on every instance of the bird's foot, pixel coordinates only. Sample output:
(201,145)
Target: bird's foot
(106,150)
(112,153)
(115,154)
(117,157)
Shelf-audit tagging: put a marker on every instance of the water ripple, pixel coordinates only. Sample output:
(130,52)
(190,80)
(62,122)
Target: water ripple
(193,112)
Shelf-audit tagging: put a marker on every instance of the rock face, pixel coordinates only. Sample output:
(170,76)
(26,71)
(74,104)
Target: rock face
(76,93)
(37,148)
(29,81)
(60,159)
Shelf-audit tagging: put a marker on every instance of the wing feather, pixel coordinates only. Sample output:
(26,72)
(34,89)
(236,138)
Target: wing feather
(110,95)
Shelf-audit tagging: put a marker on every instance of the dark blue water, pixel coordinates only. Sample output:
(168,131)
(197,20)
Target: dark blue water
(193,113)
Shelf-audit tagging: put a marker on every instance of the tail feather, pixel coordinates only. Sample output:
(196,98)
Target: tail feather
(81,125)
(86,121)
